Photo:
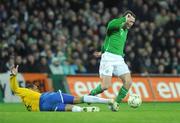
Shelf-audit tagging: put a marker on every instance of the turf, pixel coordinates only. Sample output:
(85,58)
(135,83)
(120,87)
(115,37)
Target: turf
(147,113)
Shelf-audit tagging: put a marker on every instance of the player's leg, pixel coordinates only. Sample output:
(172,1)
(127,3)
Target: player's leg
(92,99)
(105,71)
(73,108)
(50,99)
(67,107)
(127,82)
(69,99)
(105,84)
(122,71)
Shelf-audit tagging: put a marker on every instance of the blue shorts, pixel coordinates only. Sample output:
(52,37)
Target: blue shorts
(54,101)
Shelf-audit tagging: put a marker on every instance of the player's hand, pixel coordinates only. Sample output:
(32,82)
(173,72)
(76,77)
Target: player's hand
(130,18)
(97,54)
(14,70)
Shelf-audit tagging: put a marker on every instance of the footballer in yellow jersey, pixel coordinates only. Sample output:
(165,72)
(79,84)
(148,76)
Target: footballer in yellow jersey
(52,101)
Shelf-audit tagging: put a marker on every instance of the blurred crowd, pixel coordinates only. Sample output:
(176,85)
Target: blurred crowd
(60,36)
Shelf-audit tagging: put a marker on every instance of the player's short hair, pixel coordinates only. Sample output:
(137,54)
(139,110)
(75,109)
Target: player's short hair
(30,86)
(129,12)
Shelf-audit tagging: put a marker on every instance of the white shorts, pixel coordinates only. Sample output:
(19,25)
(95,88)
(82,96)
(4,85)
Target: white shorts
(112,64)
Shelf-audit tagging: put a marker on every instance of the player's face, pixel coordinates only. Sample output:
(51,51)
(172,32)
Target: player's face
(34,88)
(131,21)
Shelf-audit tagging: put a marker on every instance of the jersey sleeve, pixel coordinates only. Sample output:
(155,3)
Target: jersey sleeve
(15,87)
(116,23)
(14,84)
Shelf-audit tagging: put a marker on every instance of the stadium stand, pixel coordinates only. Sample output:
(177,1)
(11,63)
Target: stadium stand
(42,35)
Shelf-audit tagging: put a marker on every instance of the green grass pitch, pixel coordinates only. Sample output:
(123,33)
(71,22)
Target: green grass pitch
(147,113)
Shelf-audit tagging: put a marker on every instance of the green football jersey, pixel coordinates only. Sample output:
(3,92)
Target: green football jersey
(116,37)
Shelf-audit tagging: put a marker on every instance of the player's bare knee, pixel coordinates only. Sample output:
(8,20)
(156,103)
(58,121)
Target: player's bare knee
(106,86)
(106,82)
(77,100)
(128,84)
(127,81)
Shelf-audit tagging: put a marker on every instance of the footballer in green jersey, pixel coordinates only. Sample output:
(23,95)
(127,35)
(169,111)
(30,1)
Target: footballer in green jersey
(112,53)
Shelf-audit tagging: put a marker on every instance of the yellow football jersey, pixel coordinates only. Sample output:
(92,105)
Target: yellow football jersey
(29,97)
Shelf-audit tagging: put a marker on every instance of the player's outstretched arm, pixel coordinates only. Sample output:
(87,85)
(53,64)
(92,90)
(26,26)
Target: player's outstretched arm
(116,23)
(13,80)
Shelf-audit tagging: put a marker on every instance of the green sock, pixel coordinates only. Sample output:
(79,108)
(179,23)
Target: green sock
(121,95)
(96,91)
